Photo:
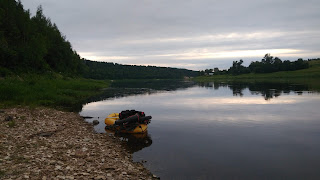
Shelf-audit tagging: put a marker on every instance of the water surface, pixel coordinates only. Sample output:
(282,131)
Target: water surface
(224,130)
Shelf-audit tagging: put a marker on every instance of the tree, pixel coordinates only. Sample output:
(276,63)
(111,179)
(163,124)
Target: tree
(216,70)
(237,68)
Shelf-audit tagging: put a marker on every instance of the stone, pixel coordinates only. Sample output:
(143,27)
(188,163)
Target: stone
(58,167)
(100,177)
(8,118)
(95,122)
(70,177)
(156,177)
(46,134)
(79,154)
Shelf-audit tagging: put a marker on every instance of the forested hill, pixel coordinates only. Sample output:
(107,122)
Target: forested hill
(102,70)
(35,45)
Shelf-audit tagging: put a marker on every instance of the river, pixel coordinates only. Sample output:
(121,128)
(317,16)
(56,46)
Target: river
(221,130)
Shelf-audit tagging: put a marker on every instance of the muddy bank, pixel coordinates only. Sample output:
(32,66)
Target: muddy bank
(44,143)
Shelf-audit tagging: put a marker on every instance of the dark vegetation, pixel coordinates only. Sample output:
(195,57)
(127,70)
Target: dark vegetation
(268,64)
(267,89)
(106,70)
(313,72)
(57,92)
(35,45)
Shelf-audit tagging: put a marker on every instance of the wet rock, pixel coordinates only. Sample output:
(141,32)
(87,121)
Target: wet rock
(155,177)
(86,117)
(70,177)
(95,122)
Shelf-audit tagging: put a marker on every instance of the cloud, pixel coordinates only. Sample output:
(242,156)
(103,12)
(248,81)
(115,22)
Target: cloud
(190,34)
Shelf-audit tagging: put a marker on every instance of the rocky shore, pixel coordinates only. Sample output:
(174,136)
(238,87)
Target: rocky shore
(42,143)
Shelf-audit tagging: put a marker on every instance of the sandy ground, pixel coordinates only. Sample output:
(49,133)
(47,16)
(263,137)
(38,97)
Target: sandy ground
(43,143)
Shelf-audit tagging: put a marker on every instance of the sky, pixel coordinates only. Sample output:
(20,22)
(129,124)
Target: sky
(192,34)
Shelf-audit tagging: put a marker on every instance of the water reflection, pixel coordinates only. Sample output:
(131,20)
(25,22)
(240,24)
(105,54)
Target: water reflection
(268,90)
(224,130)
(126,88)
(133,142)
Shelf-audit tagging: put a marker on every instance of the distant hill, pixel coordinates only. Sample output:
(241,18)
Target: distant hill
(105,70)
(35,45)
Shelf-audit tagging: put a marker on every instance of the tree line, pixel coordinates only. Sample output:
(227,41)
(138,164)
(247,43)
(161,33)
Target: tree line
(109,70)
(35,45)
(268,64)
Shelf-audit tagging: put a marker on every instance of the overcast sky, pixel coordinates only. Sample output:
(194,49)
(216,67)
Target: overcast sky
(192,34)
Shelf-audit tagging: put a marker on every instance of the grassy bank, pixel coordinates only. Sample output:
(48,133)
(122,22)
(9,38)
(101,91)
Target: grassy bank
(311,73)
(49,91)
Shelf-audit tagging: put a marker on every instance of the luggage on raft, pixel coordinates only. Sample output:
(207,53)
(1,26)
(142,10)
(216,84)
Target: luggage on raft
(128,121)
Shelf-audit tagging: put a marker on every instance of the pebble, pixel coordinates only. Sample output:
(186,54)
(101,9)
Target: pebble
(58,167)
(8,118)
(99,177)
(95,122)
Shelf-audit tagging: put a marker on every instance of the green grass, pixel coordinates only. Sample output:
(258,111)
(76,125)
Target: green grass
(2,173)
(312,72)
(49,91)
(11,123)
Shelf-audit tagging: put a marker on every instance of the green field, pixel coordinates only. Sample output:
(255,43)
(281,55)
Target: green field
(49,91)
(310,77)
(312,72)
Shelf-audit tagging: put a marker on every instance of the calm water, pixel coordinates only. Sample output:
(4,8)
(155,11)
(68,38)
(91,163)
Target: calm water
(224,131)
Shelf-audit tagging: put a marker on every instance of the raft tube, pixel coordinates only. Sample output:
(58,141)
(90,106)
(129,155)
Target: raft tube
(113,122)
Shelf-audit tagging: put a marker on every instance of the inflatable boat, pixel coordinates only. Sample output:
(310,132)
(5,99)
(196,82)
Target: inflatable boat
(128,122)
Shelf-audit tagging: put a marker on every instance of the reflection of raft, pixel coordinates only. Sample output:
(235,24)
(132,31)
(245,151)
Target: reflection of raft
(133,142)
(128,122)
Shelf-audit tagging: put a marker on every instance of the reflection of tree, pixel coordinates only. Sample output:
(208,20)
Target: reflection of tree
(237,88)
(268,90)
(136,87)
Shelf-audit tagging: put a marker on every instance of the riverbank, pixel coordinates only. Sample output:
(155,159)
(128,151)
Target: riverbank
(313,72)
(43,143)
(48,90)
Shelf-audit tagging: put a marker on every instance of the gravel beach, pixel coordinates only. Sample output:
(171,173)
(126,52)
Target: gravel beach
(43,143)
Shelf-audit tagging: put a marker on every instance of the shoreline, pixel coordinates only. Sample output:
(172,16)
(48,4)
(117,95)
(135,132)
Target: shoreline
(44,143)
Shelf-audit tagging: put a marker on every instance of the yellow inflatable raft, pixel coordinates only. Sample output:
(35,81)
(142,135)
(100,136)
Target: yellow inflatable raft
(132,124)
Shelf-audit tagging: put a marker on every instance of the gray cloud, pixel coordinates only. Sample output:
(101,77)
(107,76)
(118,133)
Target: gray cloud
(184,33)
